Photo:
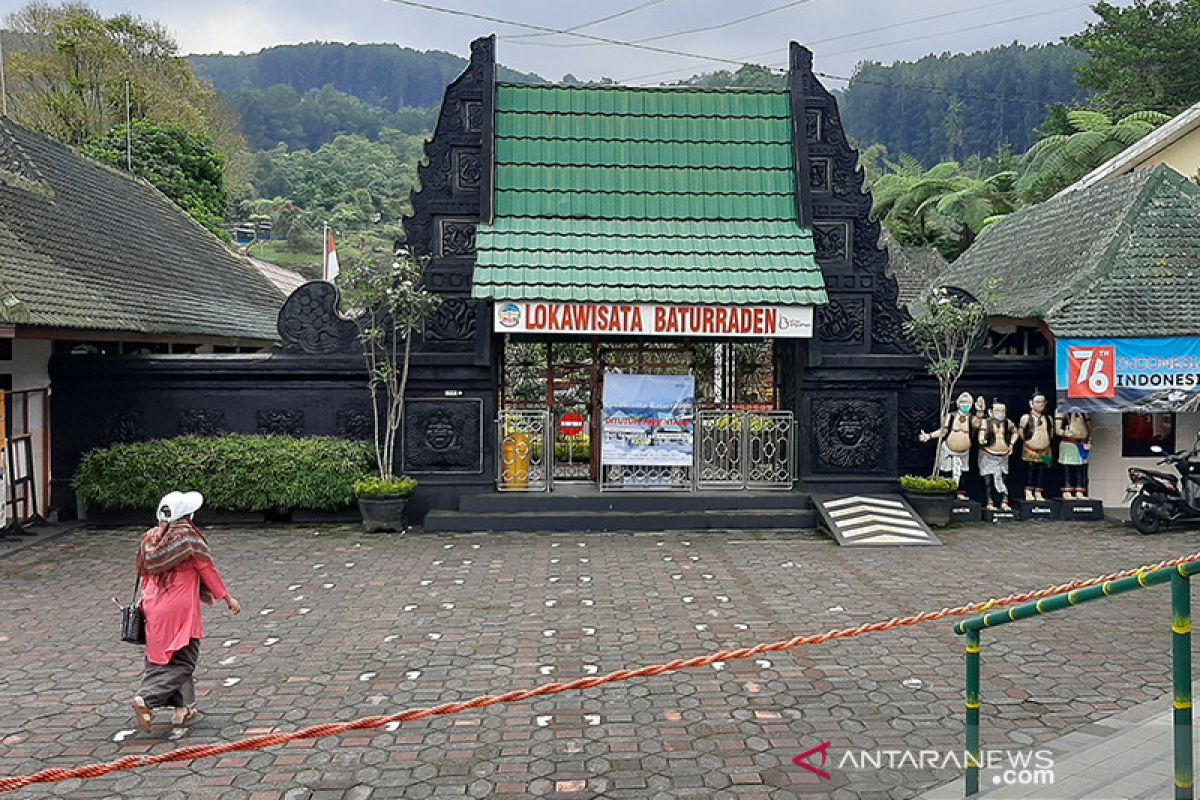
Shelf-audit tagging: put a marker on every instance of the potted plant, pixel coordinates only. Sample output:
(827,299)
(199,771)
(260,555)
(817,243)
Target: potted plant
(931,498)
(383,503)
(389,304)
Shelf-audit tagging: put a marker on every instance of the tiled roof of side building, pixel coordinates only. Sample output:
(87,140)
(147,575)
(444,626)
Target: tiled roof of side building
(1117,259)
(85,246)
(613,194)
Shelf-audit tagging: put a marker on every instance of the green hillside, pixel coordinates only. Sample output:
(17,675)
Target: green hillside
(950,107)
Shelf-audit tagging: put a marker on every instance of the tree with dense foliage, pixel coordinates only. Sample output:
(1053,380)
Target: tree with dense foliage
(384,75)
(280,115)
(747,76)
(180,163)
(67,79)
(1060,159)
(1145,55)
(943,207)
(945,107)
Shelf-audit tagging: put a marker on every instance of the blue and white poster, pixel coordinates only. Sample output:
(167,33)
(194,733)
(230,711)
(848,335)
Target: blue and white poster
(1128,375)
(648,419)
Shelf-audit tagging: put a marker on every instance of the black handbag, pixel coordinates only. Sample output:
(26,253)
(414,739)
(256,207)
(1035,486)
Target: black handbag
(133,621)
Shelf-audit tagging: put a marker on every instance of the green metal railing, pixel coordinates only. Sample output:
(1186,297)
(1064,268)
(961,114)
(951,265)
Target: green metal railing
(1181,659)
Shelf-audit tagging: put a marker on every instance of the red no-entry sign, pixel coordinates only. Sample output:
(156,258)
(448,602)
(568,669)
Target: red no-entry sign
(571,425)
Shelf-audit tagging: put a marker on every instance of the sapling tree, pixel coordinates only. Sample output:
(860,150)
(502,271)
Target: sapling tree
(389,303)
(944,333)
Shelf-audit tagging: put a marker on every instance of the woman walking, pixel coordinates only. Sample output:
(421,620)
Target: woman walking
(177,573)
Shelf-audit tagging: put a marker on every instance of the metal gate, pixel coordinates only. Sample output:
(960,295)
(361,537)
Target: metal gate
(526,451)
(745,450)
(770,450)
(720,448)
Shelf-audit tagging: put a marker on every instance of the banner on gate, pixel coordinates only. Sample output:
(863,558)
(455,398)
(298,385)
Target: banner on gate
(648,419)
(1128,375)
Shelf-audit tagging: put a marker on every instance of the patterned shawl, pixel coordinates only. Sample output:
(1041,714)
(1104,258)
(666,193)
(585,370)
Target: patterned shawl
(167,546)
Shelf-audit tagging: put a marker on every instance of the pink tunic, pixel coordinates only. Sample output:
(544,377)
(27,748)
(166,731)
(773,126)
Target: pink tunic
(173,611)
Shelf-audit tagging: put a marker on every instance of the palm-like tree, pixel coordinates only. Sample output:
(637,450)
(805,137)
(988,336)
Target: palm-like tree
(1059,160)
(944,206)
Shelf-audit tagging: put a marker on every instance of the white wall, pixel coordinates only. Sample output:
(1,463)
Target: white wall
(29,369)
(1108,474)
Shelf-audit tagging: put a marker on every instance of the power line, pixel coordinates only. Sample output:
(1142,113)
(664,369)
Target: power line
(958,30)
(544,29)
(583,25)
(714,27)
(735,62)
(812,42)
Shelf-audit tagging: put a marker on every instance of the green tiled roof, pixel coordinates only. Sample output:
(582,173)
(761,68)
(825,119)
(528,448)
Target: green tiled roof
(645,195)
(1117,259)
(85,246)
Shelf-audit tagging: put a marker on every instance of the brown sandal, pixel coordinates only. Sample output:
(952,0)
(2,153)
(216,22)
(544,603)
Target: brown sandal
(143,715)
(188,717)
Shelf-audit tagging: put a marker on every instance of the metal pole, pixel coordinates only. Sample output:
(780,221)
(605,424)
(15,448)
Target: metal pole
(971,781)
(128,132)
(3,82)
(1181,671)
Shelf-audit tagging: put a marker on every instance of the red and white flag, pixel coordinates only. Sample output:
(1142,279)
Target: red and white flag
(330,269)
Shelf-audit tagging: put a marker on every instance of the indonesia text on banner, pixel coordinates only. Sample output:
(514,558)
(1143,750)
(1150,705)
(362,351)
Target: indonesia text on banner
(1128,375)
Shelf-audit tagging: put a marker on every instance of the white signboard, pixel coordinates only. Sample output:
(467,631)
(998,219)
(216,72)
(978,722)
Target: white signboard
(648,419)
(651,320)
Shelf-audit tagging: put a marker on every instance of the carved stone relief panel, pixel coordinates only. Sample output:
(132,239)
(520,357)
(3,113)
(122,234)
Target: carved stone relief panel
(201,422)
(443,436)
(812,125)
(472,115)
(843,320)
(281,422)
(832,240)
(847,435)
(819,170)
(454,321)
(354,423)
(456,237)
(123,426)
(468,170)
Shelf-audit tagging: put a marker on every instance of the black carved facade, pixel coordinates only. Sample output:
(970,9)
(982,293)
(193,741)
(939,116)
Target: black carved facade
(859,393)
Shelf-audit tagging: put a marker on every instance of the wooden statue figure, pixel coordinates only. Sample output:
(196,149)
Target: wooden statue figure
(997,438)
(1038,433)
(955,434)
(1074,446)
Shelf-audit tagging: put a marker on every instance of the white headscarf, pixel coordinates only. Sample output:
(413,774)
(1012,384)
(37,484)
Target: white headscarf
(177,505)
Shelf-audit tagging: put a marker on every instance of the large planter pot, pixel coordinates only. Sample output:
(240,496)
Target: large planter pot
(933,507)
(383,513)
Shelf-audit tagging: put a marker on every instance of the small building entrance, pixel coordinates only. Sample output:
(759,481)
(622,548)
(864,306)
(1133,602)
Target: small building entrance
(724,430)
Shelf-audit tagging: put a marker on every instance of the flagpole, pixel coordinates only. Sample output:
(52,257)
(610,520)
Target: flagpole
(3,83)
(325,251)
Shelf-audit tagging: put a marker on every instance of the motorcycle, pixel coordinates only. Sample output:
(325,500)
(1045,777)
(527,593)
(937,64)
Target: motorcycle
(1160,498)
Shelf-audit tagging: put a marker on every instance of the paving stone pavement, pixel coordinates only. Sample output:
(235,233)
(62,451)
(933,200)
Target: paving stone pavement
(340,624)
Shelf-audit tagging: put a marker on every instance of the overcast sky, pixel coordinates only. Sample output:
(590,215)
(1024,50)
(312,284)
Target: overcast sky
(840,32)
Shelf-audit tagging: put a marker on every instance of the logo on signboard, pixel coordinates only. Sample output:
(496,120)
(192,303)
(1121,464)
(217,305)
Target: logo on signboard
(509,315)
(1091,372)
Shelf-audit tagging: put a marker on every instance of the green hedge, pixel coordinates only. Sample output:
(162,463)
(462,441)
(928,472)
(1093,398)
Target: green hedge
(234,473)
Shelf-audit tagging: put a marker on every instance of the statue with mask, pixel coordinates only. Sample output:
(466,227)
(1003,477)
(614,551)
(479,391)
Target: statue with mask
(955,435)
(997,438)
(1038,433)
(1074,446)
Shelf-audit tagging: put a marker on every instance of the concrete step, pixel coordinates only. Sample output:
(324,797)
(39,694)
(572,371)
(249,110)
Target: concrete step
(574,500)
(607,521)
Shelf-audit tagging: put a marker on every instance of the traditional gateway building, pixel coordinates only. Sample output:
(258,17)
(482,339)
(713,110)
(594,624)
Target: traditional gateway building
(679,288)
(644,289)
